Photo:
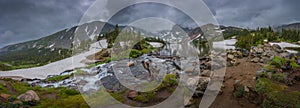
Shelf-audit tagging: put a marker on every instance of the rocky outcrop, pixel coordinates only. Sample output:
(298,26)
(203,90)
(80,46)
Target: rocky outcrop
(264,53)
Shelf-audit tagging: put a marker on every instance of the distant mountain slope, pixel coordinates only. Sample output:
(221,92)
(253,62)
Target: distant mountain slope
(293,26)
(50,48)
(62,39)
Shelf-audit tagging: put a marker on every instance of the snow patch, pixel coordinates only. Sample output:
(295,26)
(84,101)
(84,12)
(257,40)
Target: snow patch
(52,45)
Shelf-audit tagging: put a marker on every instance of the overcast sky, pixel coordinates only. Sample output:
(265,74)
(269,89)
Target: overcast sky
(23,20)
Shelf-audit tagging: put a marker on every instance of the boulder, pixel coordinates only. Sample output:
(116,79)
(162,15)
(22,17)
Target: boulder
(230,56)
(260,72)
(206,73)
(17,102)
(189,69)
(132,94)
(239,54)
(246,89)
(298,61)
(260,50)
(203,82)
(29,96)
(130,64)
(276,46)
(245,52)
(5,96)
(255,60)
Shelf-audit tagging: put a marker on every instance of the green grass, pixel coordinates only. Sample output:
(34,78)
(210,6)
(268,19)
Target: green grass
(276,95)
(65,97)
(59,78)
(94,64)
(277,99)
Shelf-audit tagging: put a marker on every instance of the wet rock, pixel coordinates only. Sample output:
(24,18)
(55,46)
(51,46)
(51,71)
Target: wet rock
(29,96)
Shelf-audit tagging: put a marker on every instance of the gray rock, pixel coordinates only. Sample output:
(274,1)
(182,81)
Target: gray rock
(29,96)
(276,46)
(230,56)
(206,73)
(255,60)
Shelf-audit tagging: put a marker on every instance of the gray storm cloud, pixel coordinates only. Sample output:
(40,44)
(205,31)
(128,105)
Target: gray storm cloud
(23,20)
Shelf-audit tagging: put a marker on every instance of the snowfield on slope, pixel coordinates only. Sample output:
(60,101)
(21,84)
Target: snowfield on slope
(57,67)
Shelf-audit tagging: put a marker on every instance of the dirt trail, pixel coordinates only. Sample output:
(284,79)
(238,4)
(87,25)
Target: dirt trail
(245,72)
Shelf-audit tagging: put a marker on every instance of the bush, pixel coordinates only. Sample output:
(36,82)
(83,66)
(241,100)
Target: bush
(279,77)
(279,99)
(278,62)
(135,53)
(264,86)
(294,64)
(270,68)
(239,92)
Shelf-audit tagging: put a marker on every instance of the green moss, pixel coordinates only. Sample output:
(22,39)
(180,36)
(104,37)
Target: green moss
(145,97)
(118,96)
(140,98)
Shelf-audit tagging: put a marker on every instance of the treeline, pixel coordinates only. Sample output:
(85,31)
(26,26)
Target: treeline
(248,38)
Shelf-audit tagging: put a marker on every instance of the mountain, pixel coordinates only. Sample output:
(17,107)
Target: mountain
(62,39)
(293,26)
(50,48)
